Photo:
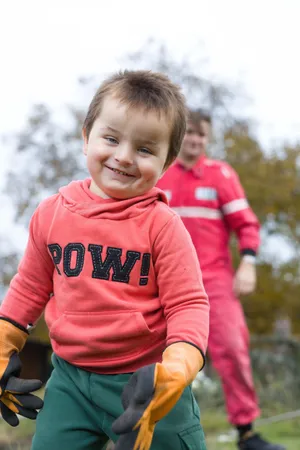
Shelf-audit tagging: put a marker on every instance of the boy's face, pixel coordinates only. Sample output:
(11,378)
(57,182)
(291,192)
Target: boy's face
(195,140)
(126,150)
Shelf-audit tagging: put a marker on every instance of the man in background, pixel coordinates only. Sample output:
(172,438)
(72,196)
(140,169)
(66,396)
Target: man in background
(208,196)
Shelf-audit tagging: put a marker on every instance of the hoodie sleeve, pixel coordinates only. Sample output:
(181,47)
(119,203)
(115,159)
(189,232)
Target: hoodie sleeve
(31,287)
(181,290)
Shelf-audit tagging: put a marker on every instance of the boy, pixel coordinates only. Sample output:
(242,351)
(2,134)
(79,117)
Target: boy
(118,275)
(211,202)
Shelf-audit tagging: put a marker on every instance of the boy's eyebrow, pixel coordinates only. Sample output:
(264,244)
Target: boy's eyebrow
(110,129)
(148,142)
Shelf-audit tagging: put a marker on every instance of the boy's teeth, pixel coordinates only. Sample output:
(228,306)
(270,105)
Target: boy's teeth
(119,171)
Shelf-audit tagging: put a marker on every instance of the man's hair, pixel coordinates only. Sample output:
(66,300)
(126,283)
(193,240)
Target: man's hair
(199,115)
(149,90)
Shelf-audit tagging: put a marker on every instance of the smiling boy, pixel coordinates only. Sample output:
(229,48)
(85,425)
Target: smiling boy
(106,148)
(118,277)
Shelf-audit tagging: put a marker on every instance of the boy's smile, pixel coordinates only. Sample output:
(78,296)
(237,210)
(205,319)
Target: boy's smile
(126,150)
(119,172)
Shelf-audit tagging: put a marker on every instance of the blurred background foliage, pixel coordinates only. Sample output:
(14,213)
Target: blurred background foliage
(48,155)
(50,150)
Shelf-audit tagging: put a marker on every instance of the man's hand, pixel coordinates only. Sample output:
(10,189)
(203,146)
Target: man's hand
(245,278)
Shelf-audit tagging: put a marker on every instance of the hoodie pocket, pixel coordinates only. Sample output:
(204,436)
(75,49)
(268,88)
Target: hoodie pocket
(102,335)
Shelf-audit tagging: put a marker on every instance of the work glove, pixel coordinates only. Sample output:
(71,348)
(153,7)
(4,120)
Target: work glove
(15,392)
(152,392)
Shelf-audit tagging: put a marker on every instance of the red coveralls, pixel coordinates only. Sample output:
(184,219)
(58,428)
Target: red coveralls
(211,202)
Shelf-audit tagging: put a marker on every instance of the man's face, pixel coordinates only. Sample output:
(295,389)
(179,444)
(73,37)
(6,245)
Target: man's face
(195,140)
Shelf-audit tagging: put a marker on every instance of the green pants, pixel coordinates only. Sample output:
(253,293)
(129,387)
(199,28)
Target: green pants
(80,408)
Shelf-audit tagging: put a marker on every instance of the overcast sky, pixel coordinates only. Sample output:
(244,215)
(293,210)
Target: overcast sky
(46,46)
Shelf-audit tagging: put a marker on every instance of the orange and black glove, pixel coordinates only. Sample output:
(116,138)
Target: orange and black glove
(152,392)
(15,397)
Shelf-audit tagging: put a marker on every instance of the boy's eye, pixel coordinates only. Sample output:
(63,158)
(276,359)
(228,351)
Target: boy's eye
(111,140)
(145,150)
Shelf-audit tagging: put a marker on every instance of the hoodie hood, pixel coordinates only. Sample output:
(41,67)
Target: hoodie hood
(78,198)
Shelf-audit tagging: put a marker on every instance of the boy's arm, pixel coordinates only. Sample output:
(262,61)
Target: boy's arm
(154,390)
(181,290)
(31,287)
(24,302)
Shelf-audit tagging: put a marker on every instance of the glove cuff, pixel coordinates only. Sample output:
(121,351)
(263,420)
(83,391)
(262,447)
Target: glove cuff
(12,337)
(184,358)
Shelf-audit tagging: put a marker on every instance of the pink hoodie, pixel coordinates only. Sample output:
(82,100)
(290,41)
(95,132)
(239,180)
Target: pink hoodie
(119,279)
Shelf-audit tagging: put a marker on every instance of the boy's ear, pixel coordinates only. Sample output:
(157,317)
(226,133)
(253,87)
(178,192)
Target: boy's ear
(85,141)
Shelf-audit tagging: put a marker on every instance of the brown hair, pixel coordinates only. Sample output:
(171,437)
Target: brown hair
(149,90)
(199,115)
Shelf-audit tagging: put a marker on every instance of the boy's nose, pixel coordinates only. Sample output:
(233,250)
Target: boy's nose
(124,155)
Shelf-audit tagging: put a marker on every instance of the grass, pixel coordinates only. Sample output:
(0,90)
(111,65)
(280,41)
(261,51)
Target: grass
(214,422)
(285,433)
(16,438)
